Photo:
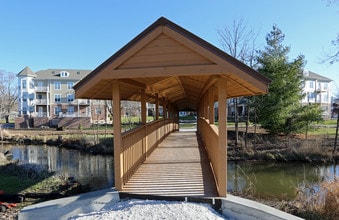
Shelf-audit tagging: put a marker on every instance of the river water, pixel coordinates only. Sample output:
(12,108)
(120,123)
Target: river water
(92,170)
(278,180)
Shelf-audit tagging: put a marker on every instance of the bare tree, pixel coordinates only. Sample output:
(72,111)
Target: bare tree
(240,42)
(8,94)
(332,56)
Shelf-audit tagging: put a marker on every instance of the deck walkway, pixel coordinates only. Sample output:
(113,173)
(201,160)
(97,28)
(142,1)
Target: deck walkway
(179,166)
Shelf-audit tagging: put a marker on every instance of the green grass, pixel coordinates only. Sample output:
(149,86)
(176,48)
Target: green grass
(322,131)
(15,184)
(328,122)
(188,125)
(135,119)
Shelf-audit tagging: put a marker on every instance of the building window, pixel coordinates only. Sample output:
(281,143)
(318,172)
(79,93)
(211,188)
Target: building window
(24,110)
(325,86)
(64,74)
(31,85)
(70,109)
(311,95)
(24,83)
(57,98)
(57,110)
(57,85)
(325,98)
(70,97)
(311,84)
(98,110)
(24,97)
(70,85)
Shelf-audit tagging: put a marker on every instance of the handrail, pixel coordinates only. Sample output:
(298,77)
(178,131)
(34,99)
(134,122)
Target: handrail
(138,144)
(210,136)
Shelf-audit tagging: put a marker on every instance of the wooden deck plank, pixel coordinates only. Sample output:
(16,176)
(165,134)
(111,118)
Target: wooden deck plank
(178,167)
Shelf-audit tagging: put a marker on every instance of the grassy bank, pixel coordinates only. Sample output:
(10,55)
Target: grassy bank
(36,183)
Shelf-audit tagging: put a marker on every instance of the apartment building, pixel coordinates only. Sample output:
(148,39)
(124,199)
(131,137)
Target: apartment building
(47,96)
(315,87)
(317,90)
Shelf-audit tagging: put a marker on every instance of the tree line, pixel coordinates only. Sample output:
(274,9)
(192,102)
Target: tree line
(8,94)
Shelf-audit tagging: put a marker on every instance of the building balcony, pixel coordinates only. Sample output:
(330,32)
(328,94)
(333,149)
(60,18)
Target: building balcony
(83,101)
(39,114)
(40,102)
(72,115)
(41,89)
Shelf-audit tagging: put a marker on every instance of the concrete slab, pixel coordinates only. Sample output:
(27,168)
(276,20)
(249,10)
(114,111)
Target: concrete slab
(234,207)
(65,208)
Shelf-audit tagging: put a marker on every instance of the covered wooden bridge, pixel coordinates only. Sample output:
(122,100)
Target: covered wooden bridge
(173,68)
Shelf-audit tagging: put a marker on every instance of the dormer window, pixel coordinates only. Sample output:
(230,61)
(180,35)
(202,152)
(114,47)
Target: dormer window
(64,74)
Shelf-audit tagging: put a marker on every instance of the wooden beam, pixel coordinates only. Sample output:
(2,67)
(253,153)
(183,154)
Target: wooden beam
(239,84)
(211,81)
(205,69)
(133,83)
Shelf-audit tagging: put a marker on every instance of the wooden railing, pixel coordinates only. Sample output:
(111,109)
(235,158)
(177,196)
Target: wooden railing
(138,144)
(209,133)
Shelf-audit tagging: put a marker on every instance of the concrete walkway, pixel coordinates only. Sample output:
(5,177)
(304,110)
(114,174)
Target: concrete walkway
(65,208)
(232,207)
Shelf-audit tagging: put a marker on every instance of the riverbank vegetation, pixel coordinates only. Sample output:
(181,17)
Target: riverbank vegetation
(35,183)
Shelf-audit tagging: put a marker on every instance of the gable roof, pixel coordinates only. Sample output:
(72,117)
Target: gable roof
(56,73)
(26,72)
(314,76)
(169,60)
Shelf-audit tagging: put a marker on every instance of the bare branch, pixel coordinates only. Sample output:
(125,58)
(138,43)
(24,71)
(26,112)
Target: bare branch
(239,41)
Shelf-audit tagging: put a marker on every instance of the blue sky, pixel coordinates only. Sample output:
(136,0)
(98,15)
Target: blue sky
(81,34)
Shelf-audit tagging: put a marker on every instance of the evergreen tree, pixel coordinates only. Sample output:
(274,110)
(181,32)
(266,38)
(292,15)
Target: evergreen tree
(303,118)
(276,109)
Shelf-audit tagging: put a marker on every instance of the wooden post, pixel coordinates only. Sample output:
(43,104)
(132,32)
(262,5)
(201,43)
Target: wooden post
(164,108)
(206,105)
(118,154)
(211,105)
(156,106)
(143,122)
(222,148)
(143,107)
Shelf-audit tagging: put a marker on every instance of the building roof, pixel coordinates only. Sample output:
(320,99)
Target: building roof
(309,75)
(26,72)
(57,74)
(68,74)
(167,60)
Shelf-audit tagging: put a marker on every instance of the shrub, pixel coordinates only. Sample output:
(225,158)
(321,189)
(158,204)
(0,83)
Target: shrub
(319,204)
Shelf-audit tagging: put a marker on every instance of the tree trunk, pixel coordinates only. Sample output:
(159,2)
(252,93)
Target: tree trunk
(247,122)
(7,119)
(336,137)
(236,121)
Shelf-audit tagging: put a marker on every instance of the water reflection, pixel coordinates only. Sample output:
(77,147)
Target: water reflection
(277,180)
(94,170)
